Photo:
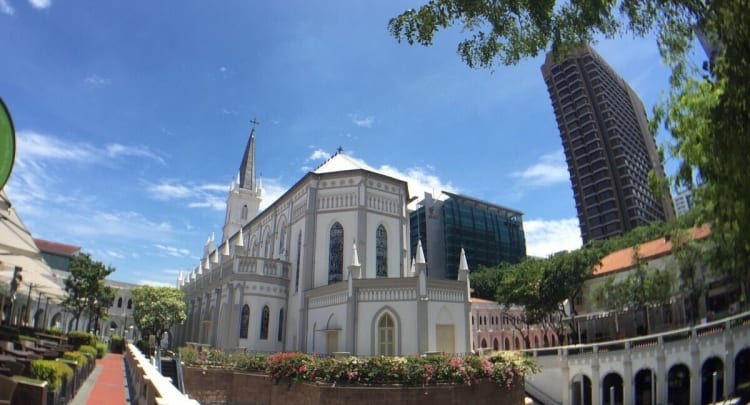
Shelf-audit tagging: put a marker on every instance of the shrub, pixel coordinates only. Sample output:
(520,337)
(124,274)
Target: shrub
(55,331)
(289,366)
(504,368)
(54,372)
(101,349)
(248,361)
(116,344)
(509,367)
(24,338)
(78,357)
(144,347)
(88,350)
(78,338)
(189,356)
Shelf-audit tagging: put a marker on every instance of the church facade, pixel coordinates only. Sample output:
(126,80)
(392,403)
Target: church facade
(324,269)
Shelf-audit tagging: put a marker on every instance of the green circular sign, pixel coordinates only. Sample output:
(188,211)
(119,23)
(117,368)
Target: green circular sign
(7,144)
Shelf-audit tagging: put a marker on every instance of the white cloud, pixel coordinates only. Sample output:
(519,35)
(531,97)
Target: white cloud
(545,237)
(112,253)
(209,201)
(318,154)
(362,122)
(222,69)
(123,225)
(549,169)
(36,146)
(419,179)
(33,145)
(116,149)
(96,81)
(272,190)
(156,283)
(6,8)
(208,195)
(173,251)
(39,4)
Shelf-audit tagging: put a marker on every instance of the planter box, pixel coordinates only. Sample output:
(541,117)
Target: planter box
(231,387)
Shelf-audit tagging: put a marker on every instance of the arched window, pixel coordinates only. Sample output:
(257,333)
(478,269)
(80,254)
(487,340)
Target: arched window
(336,254)
(264,323)
(495,345)
(244,321)
(484,343)
(119,302)
(130,303)
(282,240)
(518,344)
(381,252)
(386,336)
(299,252)
(243,215)
(256,248)
(281,325)
(507,344)
(269,245)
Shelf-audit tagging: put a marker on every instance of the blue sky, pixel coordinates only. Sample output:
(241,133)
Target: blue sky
(131,117)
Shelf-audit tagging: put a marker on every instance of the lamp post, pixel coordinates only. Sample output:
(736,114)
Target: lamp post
(46,305)
(38,302)
(28,303)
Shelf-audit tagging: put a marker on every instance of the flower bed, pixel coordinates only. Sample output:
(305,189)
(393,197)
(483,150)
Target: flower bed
(503,368)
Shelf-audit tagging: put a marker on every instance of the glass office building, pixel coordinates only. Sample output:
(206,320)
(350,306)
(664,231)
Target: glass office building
(490,234)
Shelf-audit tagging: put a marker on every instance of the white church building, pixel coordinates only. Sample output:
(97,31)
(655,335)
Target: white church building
(324,269)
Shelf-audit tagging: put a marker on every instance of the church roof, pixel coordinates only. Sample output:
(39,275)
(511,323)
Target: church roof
(340,163)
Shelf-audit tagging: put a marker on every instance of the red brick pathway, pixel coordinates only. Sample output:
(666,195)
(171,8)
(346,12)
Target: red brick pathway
(109,387)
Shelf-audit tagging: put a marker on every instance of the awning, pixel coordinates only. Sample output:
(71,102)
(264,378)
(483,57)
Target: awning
(17,248)
(35,274)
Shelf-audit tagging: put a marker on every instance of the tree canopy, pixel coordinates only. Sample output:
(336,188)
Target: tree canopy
(157,309)
(706,109)
(85,287)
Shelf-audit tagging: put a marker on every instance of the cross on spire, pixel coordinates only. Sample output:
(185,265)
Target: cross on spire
(254,122)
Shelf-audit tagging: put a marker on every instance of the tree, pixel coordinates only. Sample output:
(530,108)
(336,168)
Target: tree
(99,306)
(157,309)
(688,254)
(485,280)
(643,287)
(85,285)
(707,110)
(547,289)
(519,285)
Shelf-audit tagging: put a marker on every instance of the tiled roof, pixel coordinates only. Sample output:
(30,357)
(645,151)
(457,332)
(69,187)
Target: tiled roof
(623,259)
(475,300)
(57,248)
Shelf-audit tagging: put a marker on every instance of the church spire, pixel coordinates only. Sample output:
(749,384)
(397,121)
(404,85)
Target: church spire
(247,168)
(243,201)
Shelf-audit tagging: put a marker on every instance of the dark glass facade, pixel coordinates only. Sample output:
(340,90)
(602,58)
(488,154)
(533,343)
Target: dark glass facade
(488,233)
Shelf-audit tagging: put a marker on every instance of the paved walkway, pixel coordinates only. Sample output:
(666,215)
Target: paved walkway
(106,385)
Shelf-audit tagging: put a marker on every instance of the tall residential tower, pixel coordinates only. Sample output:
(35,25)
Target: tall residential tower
(608,147)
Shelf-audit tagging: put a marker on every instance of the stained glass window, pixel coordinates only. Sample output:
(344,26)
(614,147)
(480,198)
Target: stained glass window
(336,254)
(299,252)
(244,321)
(264,323)
(381,252)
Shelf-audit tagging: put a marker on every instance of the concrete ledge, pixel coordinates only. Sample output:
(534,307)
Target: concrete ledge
(148,385)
